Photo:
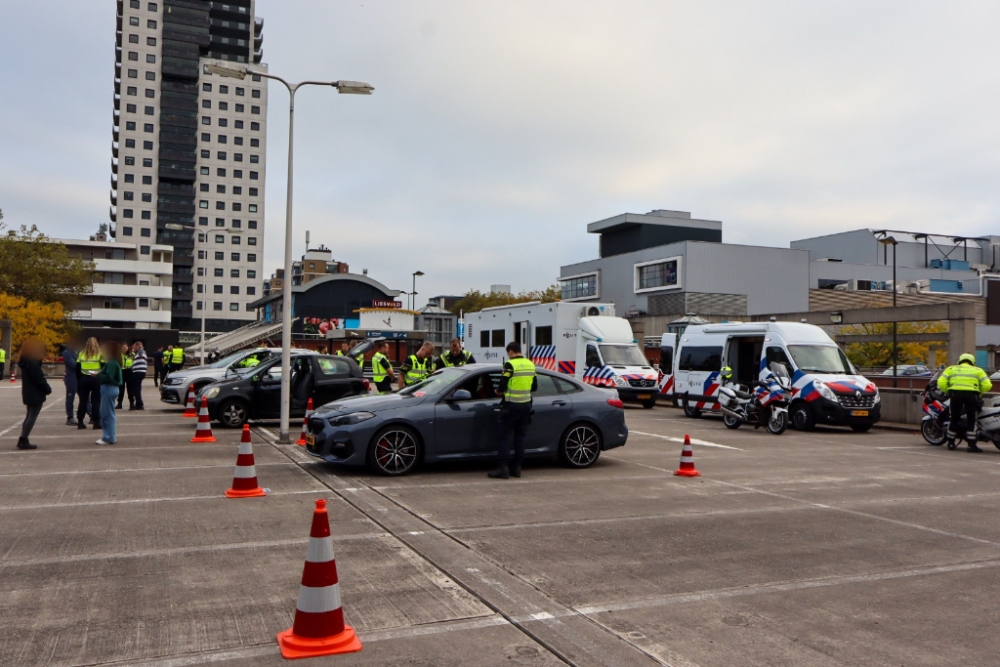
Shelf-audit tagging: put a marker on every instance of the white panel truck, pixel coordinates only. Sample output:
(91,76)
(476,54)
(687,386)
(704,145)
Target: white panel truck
(586,341)
(826,388)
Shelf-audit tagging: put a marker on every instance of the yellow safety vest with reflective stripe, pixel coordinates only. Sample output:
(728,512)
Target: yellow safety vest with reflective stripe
(88,364)
(378,372)
(340,353)
(964,377)
(519,380)
(178,356)
(3,356)
(418,370)
(463,358)
(129,360)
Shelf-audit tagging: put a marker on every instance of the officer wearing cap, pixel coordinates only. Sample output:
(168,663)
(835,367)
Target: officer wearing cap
(964,383)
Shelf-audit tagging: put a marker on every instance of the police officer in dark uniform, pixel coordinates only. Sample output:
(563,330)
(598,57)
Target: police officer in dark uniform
(455,356)
(517,382)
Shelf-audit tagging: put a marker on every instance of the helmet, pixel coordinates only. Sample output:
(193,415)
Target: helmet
(967,359)
(726,372)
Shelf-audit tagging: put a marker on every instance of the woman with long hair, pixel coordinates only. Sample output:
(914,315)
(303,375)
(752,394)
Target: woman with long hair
(110,379)
(89,363)
(34,386)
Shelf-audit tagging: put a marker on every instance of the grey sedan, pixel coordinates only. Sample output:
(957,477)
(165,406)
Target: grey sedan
(452,415)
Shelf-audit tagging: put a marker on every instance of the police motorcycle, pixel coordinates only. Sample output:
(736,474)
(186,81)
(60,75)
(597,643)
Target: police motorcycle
(766,405)
(937,416)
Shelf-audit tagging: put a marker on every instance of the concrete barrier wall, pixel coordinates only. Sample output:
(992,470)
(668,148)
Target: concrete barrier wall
(905,406)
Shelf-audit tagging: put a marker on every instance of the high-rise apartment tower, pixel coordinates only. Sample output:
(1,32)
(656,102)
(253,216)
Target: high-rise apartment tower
(189,151)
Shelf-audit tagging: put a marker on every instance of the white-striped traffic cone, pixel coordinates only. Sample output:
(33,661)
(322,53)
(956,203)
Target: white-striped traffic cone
(319,627)
(687,468)
(301,442)
(245,476)
(189,409)
(204,431)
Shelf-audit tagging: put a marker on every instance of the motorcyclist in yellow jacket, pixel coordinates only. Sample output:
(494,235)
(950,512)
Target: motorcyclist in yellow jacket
(964,383)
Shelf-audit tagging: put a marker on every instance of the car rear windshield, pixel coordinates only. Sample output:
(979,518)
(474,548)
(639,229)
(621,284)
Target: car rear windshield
(820,359)
(623,355)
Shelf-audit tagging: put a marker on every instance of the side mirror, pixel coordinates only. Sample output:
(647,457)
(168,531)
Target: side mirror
(256,378)
(461,395)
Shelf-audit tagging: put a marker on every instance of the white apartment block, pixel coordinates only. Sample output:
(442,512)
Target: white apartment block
(132,288)
(189,152)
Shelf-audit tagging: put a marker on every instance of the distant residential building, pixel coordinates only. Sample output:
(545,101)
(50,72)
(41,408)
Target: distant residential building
(440,323)
(132,289)
(316,263)
(188,151)
(500,289)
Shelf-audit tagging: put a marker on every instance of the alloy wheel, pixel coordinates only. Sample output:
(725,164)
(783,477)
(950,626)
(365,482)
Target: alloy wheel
(581,446)
(395,452)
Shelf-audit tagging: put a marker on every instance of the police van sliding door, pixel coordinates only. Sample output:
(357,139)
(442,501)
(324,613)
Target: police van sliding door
(743,356)
(522,335)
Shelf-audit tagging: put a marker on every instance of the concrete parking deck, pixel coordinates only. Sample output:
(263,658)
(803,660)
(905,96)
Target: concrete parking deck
(828,548)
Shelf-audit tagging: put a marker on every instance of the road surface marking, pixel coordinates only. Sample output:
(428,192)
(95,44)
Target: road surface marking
(694,441)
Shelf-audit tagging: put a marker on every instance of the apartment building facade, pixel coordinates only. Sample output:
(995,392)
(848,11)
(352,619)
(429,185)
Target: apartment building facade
(188,167)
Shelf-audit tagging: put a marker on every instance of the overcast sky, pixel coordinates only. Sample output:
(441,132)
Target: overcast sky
(498,130)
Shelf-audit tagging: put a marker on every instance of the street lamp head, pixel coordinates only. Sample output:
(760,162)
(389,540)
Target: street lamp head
(223,70)
(353,87)
(418,273)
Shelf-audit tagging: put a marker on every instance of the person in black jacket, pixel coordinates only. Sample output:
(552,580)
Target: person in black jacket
(34,386)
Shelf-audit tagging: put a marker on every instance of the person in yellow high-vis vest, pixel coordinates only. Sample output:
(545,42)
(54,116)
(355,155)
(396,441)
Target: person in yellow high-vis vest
(88,364)
(417,366)
(517,382)
(127,362)
(382,373)
(3,361)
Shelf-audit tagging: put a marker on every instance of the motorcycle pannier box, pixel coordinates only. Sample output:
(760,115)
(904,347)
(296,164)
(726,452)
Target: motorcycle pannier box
(990,419)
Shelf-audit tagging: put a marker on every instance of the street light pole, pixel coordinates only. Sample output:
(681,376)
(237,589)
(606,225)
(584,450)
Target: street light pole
(413,294)
(891,241)
(343,87)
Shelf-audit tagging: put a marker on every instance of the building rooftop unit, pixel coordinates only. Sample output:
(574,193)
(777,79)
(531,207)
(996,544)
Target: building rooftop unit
(629,232)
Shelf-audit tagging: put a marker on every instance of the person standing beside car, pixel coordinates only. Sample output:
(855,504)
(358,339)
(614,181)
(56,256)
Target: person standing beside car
(110,379)
(455,355)
(158,373)
(34,387)
(964,383)
(89,363)
(382,374)
(417,366)
(517,382)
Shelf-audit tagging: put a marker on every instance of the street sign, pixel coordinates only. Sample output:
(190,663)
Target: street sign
(386,334)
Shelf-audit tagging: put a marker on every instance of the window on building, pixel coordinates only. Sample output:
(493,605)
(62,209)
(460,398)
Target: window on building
(238,141)
(234,257)
(148,111)
(222,139)
(219,273)
(115,303)
(253,192)
(223,106)
(252,240)
(207,87)
(144,303)
(147,180)
(234,289)
(150,41)
(134,4)
(217,305)
(129,160)
(151,23)
(251,274)
(221,155)
(205,136)
(133,39)
(255,143)
(147,127)
(130,143)
(126,231)
(206,120)
(150,76)
(151,6)
(234,306)
(199,305)
(144,250)
(237,173)
(220,222)
(253,208)
(238,157)
(220,206)
(217,289)
(220,188)
(220,255)
(223,122)
(255,92)
(150,58)
(219,238)
(251,290)
(130,108)
(132,90)
(254,125)
(224,90)
(133,55)
(237,190)
(237,223)
(128,196)
(655,275)
(205,153)
(133,20)
(130,178)
(147,196)
(240,92)
(255,109)
(578,287)
(203,220)
(238,124)
(237,206)
(201,288)
(251,257)
(130,124)
(201,239)
(127,213)
(202,203)
(255,158)
(235,240)
(146,232)
(203,187)
(147,215)
(133,74)
(253,175)
(255,77)
(147,162)
(239,108)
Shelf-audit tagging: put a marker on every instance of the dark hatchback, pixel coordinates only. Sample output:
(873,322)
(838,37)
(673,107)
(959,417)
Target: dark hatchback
(256,393)
(453,414)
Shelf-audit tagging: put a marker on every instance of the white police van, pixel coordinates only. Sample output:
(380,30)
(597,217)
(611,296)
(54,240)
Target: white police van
(586,341)
(826,388)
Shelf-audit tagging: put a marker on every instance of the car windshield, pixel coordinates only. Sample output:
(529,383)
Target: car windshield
(225,361)
(623,355)
(435,384)
(820,359)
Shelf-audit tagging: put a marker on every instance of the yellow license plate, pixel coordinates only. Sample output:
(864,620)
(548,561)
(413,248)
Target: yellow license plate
(644,397)
(859,413)
(311,439)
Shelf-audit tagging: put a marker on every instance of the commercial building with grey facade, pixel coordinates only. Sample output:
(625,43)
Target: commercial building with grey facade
(189,152)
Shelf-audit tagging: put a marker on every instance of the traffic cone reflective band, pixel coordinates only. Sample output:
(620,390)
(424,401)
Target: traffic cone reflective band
(245,475)
(687,468)
(204,432)
(189,409)
(305,424)
(12,378)
(319,627)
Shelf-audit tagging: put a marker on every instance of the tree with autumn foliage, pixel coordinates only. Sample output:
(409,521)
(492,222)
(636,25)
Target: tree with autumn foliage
(474,300)
(36,269)
(880,354)
(46,321)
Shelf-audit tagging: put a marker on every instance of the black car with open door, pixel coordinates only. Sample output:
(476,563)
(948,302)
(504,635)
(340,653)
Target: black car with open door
(256,394)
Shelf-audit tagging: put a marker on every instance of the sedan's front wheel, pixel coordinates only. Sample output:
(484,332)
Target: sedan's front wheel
(580,446)
(395,450)
(233,414)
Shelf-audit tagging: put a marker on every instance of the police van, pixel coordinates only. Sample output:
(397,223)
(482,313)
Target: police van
(586,341)
(826,388)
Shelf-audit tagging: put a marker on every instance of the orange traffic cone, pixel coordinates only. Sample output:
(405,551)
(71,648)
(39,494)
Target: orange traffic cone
(189,409)
(245,475)
(12,378)
(305,424)
(687,468)
(319,627)
(204,431)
